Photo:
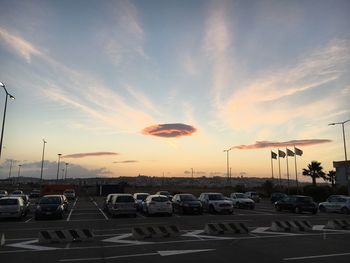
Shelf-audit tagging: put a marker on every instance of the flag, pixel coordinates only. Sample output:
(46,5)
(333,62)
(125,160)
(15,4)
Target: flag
(289,152)
(273,155)
(298,151)
(281,154)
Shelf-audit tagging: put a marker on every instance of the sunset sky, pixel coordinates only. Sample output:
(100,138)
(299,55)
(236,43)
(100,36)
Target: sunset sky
(122,88)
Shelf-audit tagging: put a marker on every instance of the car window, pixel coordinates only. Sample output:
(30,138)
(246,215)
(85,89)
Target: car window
(239,196)
(141,197)
(216,197)
(8,201)
(305,199)
(160,199)
(50,200)
(341,200)
(187,198)
(124,199)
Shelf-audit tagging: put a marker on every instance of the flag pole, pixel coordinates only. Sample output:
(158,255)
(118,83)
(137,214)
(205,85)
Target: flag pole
(287,171)
(296,170)
(279,167)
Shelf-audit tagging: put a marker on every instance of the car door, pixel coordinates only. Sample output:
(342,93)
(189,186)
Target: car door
(331,203)
(176,203)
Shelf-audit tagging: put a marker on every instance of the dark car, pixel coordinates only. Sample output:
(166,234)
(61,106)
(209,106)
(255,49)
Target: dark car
(50,206)
(186,203)
(297,204)
(35,193)
(277,196)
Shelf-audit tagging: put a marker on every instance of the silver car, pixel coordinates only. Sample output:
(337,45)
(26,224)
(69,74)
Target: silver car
(123,204)
(3,193)
(216,203)
(336,203)
(240,200)
(12,207)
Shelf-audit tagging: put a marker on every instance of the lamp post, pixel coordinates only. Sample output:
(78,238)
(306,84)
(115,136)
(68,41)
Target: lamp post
(42,161)
(19,172)
(58,166)
(3,119)
(227,163)
(192,173)
(342,124)
(11,161)
(65,176)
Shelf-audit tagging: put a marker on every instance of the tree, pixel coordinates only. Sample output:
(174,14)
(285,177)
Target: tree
(330,176)
(314,170)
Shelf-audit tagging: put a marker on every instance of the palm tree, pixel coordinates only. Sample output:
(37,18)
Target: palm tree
(315,170)
(330,176)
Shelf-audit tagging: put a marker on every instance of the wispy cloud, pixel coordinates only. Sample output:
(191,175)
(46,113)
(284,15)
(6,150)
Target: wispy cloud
(90,154)
(269,144)
(142,99)
(18,45)
(126,161)
(273,95)
(170,130)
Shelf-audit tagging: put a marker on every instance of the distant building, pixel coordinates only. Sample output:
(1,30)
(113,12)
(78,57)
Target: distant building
(342,170)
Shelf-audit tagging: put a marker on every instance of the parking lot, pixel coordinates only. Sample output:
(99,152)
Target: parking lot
(113,241)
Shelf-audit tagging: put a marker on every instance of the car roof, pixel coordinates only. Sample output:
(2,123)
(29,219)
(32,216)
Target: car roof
(11,197)
(157,196)
(52,196)
(212,193)
(122,194)
(141,193)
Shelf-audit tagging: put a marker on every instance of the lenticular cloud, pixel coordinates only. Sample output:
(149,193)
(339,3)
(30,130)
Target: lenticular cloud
(170,130)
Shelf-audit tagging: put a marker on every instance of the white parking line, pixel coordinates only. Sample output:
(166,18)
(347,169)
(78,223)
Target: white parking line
(317,256)
(28,220)
(106,217)
(71,210)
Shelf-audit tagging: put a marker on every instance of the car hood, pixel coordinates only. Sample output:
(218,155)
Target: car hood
(49,206)
(8,208)
(192,202)
(221,202)
(246,200)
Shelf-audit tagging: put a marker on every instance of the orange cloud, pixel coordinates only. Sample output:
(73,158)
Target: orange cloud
(127,161)
(268,144)
(82,155)
(170,130)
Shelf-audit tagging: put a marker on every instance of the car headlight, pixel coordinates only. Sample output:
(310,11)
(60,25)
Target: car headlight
(38,207)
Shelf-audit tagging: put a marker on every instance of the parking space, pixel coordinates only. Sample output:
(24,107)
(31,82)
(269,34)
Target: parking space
(114,242)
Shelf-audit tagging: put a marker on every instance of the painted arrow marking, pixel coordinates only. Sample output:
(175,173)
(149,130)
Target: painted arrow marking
(264,230)
(2,240)
(28,245)
(121,239)
(163,253)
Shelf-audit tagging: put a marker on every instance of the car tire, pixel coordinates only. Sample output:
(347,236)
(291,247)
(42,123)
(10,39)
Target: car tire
(344,210)
(211,209)
(322,209)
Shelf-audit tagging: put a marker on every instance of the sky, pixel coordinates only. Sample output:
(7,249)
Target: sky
(122,88)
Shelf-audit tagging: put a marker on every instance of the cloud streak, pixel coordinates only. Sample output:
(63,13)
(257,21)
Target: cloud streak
(127,161)
(269,144)
(90,154)
(170,130)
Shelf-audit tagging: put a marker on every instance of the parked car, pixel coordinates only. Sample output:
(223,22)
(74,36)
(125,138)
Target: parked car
(166,193)
(157,204)
(25,200)
(240,200)
(3,193)
(140,197)
(108,202)
(17,192)
(336,203)
(297,204)
(35,193)
(215,202)
(186,203)
(123,204)
(50,206)
(69,193)
(12,207)
(277,196)
(254,196)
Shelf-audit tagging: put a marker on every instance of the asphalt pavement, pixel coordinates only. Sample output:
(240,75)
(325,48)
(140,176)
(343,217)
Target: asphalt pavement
(113,241)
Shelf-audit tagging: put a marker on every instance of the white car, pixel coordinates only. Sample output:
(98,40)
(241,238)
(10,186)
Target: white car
(3,193)
(240,200)
(336,203)
(140,197)
(254,196)
(157,204)
(12,207)
(108,202)
(216,202)
(122,204)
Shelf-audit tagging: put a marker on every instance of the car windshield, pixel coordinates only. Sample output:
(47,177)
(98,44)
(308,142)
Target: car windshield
(69,191)
(17,192)
(124,199)
(305,199)
(141,197)
(240,196)
(216,197)
(8,201)
(164,193)
(187,198)
(50,200)
(161,199)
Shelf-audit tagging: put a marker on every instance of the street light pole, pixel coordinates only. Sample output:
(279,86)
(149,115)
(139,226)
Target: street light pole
(10,168)
(19,172)
(65,176)
(4,117)
(42,161)
(342,124)
(192,172)
(58,166)
(227,163)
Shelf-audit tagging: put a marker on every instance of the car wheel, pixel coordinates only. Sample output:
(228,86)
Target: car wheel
(297,210)
(211,209)
(344,210)
(323,209)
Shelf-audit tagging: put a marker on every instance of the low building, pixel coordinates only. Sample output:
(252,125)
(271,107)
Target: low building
(342,170)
